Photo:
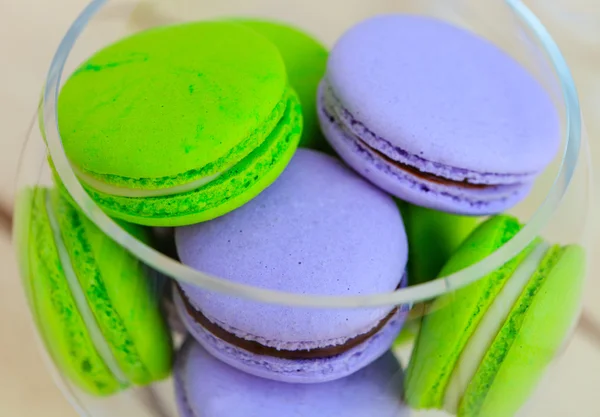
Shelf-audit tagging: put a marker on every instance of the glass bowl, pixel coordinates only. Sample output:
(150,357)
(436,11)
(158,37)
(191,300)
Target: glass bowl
(557,208)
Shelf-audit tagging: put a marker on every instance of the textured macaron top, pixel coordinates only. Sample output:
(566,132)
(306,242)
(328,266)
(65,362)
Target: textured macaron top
(319,229)
(429,93)
(172,104)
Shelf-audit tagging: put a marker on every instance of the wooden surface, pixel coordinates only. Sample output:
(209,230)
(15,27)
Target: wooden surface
(29,33)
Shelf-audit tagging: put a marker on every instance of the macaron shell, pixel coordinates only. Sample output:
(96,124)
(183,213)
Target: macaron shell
(59,322)
(325,213)
(453,318)
(295,371)
(305,59)
(530,338)
(206,387)
(222,81)
(231,190)
(466,105)
(121,293)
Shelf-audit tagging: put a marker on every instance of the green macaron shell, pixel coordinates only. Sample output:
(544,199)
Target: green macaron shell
(172,104)
(61,326)
(433,236)
(121,295)
(118,292)
(530,338)
(229,191)
(453,318)
(306,61)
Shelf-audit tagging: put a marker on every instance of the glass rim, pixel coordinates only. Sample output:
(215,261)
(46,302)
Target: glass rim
(409,295)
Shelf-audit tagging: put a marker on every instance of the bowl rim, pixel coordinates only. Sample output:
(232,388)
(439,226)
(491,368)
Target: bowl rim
(409,295)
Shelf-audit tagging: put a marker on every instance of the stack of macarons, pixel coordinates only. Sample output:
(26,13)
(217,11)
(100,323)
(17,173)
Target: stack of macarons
(254,154)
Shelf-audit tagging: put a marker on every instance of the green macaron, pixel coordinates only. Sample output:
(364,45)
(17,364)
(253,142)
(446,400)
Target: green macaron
(306,61)
(482,350)
(433,236)
(96,306)
(180,124)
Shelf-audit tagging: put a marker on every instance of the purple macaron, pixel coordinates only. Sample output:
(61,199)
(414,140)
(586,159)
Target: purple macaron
(320,229)
(206,387)
(437,116)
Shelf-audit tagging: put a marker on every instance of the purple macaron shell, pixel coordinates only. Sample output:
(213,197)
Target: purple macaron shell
(439,92)
(297,371)
(319,229)
(464,111)
(206,387)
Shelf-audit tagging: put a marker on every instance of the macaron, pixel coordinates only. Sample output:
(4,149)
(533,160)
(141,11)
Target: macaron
(320,229)
(436,115)
(483,349)
(180,124)
(96,306)
(206,387)
(433,236)
(305,60)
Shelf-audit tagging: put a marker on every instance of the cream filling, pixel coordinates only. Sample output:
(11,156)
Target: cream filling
(118,191)
(491,323)
(84,309)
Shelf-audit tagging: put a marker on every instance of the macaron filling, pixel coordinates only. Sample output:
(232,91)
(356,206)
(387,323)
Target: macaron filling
(96,335)
(412,165)
(478,345)
(137,193)
(257,348)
